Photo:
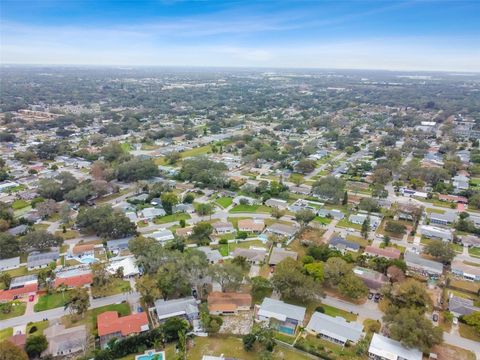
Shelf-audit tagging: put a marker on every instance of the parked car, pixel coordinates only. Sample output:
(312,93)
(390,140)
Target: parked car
(370,296)
(435,317)
(31,298)
(455,321)
(377,297)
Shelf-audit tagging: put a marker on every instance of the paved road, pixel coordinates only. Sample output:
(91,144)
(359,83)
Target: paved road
(456,340)
(59,312)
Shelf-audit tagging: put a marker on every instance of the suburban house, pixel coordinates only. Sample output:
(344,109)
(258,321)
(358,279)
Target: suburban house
(460,182)
(38,260)
(245,200)
(185,307)
(18,230)
(19,287)
(118,244)
(278,254)
(460,306)
(282,230)
(73,278)
(335,214)
(434,232)
(63,341)
(302,190)
(413,193)
(282,316)
(343,245)
(384,348)
(8,264)
(161,236)
(334,329)
(251,225)
(277,203)
(127,263)
(222,227)
(453,198)
(445,219)
(467,272)
(83,249)
(152,213)
(372,279)
(213,255)
(359,219)
(388,252)
(253,255)
(110,325)
(416,263)
(220,303)
(183,208)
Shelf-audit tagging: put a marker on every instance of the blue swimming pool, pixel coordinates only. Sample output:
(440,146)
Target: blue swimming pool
(151,355)
(87,259)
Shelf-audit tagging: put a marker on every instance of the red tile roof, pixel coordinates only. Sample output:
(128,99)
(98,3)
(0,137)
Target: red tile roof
(110,323)
(389,252)
(75,281)
(8,295)
(219,301)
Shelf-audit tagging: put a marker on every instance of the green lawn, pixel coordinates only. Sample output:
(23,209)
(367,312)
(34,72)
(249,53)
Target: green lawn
(224,201)
(116,286)
(201,150)
(468,332)
(326,349)
(126,147)
(474,252)
(357,239)
(18,309)
(322,220)
(344,223)
(51,301)
(19,204)
(171,218)
(40,325)
(437,211)
(333,311)
(6,333)
(251,209)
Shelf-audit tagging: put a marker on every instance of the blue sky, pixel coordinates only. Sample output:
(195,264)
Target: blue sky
(395,35)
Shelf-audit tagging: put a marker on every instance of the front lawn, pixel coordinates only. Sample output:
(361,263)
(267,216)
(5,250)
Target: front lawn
(326,349)
(474,251)
(18,309)
(224,201)
(323,220)
(37,328)
(468,332)
(357,239)
(6,333)
(51,301)
(19,204)
(344,223)
(333,311)
(251,209)
(116,286)
(171,218)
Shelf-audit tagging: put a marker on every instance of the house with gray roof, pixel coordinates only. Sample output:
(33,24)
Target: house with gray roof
(278,203)
(343,245)
(18,230)
(444,219)
(183,208)
(334,213)
(38,260)
(438,233)
(288,231)
(186,308)
(161,236)
(22,281)
(253,255)
(465,271)
(282,316)
(459,306)
(384,348)
(152,213)
(63,341)
(359,219)
(8,264)
(334,329)
(118,244)
(213,256)
(278,254)
(417,264)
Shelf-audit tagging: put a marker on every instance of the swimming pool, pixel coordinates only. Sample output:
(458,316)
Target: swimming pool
(151,355)
(87,259)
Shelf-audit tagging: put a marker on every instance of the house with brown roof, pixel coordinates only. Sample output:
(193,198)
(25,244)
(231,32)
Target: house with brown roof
(83,249)
(110,325)
(229,303)
(251,225)
(388,252)
(253,255)
(222,227)
(74,281)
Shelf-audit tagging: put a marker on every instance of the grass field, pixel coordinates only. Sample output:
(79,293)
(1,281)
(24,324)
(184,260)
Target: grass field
(201,150)
(322,220)
(51,301)
(19,204)
(233,347)
(116,286)
(18,309)
(6,333)
(251,209)
(357,239)
(40,325)
(171,218)
(344,223)
(468,332)
(474,252)
(333,311)
(224,201)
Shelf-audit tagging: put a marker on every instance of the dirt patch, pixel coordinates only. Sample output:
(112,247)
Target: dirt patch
(238,325)
(448,352)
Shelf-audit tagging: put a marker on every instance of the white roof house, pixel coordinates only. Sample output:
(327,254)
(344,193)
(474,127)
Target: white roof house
(359,219)
(382,347)
(152,213)
(127,263)
(277,309)
(161,235)
(436,233)
(8,264)
(335,329)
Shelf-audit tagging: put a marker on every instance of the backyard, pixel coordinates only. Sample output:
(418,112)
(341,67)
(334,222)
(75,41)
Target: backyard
(224,202)
(18,308)
(51,301)
(171,218)
(250,209)
(115,286)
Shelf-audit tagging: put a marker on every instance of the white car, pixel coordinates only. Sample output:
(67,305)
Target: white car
(455,321)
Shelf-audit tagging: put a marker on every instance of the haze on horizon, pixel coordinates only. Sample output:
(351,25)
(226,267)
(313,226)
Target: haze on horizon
(389,35)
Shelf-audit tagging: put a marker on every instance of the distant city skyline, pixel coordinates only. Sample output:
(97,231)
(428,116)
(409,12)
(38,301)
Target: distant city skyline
(386,35)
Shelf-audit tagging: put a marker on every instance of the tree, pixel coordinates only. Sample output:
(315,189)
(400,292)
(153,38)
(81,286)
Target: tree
(277,213)
(10,351)
(40,240)
(105,222)
(365,227)
(305,166)
(101,277)
(6,279)
(169,199)
(473,319)
(369,204)
(330,189)
(345,198)
(304,216)
(172,279)
(188,199)
(290,281)
(147,287)
(441,250)
(65,213)
(201,232)
(475,200)
(249,341)
(381,176)
(204,209)
(395,227)
(172,327)
(395,274)
(135,169)
(412,329)
(335,269)
(408,294)
(316,270)
(113,151)
(229,276)
(261,288)
(35,345)
(173,157)
(9,246)
(78,302)
(47,208)
(204,172)
(353,287)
